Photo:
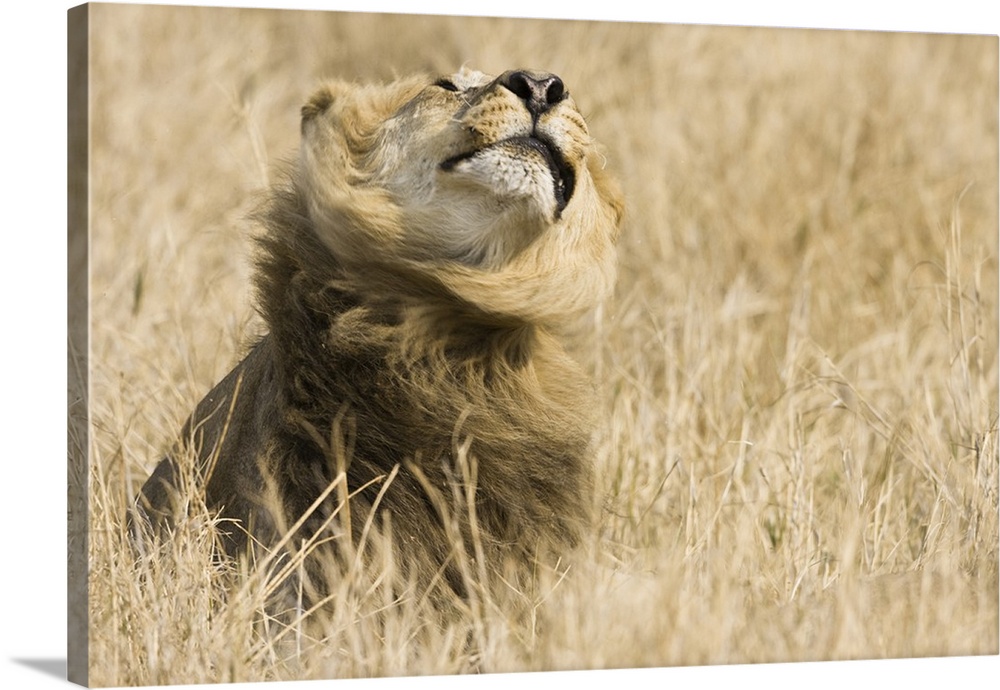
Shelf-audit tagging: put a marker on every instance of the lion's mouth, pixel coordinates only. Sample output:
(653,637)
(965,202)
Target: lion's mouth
(563,177)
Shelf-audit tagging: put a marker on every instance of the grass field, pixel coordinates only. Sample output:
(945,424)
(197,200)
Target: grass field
(799,370)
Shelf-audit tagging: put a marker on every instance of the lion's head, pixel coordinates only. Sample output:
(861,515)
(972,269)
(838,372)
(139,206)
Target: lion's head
(487,188)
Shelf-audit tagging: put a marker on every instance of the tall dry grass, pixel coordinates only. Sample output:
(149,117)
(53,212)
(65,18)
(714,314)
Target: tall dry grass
(799,457)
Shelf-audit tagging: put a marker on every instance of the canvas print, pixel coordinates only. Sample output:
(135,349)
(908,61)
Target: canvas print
(413,345)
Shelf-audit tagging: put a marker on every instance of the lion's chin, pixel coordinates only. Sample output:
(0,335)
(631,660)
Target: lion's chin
(527,167)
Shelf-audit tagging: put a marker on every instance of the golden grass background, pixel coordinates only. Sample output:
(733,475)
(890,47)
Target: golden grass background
(799,458)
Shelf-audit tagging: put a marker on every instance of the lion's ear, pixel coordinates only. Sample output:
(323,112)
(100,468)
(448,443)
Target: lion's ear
(317,104)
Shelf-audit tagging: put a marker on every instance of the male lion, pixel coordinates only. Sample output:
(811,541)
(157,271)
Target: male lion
(418,276)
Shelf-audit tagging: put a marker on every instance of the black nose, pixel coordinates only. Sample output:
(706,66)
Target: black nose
(539,90)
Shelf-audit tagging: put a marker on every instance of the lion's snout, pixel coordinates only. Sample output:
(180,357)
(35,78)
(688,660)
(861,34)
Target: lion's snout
(538,90)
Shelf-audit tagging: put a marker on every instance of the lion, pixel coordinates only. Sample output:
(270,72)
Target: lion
(420,271)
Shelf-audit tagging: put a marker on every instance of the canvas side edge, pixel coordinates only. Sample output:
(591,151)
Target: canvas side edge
(78,327)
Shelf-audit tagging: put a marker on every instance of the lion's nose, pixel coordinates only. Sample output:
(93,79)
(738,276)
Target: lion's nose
(539,90)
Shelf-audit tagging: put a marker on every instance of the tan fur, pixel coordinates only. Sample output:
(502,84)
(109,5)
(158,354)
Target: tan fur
(418,274)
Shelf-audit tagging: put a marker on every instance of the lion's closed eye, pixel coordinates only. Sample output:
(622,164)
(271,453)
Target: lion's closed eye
(446,84)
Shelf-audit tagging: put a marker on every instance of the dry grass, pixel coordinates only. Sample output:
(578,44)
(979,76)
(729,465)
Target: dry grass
(800,455)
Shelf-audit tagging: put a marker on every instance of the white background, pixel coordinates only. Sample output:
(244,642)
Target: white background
(33,304)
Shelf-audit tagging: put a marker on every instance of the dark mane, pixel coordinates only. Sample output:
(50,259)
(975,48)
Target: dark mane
(377,386)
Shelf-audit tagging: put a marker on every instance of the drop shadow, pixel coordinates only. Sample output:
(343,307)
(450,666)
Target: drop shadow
(50,667)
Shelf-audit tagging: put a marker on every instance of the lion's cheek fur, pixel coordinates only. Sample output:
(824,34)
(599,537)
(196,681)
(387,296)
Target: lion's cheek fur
(357,223)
